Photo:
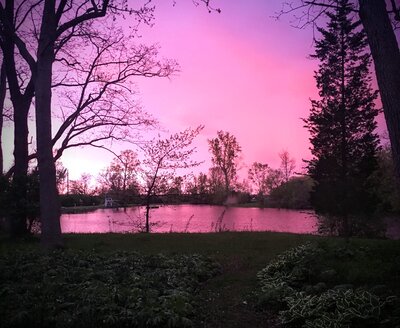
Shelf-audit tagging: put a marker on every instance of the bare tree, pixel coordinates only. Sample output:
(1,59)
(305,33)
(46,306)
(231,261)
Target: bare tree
(379,18)
(53,25)
(162,157)
(20,84)
(21,91)
(258,174)
(98,92)
(287,165)
(225,151)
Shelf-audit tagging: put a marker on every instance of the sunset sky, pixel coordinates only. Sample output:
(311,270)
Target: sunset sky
(241,71)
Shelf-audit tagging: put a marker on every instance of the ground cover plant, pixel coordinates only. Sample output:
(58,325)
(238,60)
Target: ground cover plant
(331,284)
(88,289)
(227,299)
(221,299)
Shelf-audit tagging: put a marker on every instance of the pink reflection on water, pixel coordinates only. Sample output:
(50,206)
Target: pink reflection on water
(190,218)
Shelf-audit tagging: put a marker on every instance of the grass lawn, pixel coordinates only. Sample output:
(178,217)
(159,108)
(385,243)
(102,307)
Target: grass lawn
(241,255)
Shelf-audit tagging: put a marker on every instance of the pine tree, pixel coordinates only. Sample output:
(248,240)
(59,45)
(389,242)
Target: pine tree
(342,122)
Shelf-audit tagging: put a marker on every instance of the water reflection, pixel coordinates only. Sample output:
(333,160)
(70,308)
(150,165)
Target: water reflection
(190,218)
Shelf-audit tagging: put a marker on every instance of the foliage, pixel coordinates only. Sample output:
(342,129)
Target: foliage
(279,279)
(308,285)
(384,182)
(224,300)
(13,206)
(361,226)
(72,200)
(86,289)
(120,178)
(258,173)
(225,152)
(342,122)
(293,194)
(81,186)
(336,308)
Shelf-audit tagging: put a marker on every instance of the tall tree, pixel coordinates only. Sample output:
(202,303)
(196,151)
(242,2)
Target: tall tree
(258,173)
(225,152)
(162,157)
(287,165)
(342,121)
(386,55)
(379,18)
(56,23)
(21,91)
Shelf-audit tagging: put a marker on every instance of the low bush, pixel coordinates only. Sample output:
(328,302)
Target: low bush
(310,290)
(86,289)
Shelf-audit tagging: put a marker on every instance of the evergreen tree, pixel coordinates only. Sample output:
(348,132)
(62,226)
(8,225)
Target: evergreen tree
(342,122)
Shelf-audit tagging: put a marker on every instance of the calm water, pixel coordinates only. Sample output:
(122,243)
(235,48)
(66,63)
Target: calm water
(190,218)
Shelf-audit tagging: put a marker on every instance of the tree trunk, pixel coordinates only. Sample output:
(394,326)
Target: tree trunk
(147,218)
(21,103)
(3,87)
(344,151)
(148,197)
(386,56)
(49,200)
(19,217)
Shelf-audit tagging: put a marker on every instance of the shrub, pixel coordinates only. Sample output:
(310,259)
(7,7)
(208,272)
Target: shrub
(85,289)
(297,281)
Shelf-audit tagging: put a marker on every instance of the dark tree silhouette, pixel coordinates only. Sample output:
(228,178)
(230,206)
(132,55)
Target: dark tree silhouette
(342,121)
(258,173)
(379,18)
(3,89)
(287,165)
(21,92)
(53,24)
(225,151)
(385,52)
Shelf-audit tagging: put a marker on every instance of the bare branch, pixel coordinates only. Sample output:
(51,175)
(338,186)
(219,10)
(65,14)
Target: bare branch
(91,13)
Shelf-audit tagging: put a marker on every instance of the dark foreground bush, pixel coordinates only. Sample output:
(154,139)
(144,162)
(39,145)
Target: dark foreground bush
(85,289)
(326,286)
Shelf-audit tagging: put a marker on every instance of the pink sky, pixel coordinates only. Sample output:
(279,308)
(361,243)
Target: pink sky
(241,71)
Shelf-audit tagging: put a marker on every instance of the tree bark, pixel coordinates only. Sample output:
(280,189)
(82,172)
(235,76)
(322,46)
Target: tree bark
(20,175)
(386,56)
(21,103)
(49,201)
(2,99)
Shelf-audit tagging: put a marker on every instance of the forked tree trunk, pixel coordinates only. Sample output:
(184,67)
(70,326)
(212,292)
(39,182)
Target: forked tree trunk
(49,200)
(386,55)
(21,103)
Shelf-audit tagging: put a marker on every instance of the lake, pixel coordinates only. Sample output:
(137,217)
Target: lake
(190,218)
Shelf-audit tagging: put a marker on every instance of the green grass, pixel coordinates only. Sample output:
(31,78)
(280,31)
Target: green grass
(241,255)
